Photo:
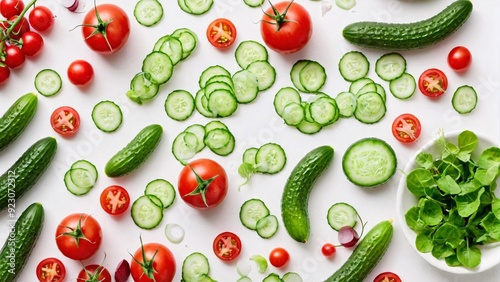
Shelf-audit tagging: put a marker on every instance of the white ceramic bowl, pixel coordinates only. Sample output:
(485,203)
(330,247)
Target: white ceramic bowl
(405,200)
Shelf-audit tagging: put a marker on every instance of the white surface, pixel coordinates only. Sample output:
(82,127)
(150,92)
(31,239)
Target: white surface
(252,125)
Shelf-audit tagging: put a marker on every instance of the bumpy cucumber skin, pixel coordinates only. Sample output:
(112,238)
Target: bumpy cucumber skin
(294,201)
(27,230)
(26,171)
(366,255)
(135,153)
(410,36)
(16,118)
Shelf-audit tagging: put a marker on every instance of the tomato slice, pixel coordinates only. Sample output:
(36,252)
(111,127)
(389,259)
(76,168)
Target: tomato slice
(227,246)
(50,270)
(221,33)
(387,277)
(115,200)
(406,128)
(433,83)
(65,121)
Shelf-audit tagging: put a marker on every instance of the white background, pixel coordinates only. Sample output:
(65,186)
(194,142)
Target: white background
(252,125)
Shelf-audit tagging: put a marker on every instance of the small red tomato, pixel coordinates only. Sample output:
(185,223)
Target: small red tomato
(221,33)
(32,43)
(387,277)
(80,73)
(4,73)
(433,83)
(279,257)
(10,8)
(115,200)
(20,28)
(94,272)
(50,270)
(41,18)
(65,121)
(406,128)
(227,246)
(328,249)
(14,57)
(459,58)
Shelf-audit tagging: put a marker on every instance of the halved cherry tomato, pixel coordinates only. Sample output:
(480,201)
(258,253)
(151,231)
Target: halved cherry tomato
(406,128)
(227,246)
(279,257)
(387,277)
(459,58)
(221,33)
(433,83)
(115,200)
(50,270)
(65,121)
(328,249)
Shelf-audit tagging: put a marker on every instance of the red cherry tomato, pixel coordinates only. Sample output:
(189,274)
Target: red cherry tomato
(221,33)
(20,28)
(78,236)
(94,272)
(65,121)
(41,18)
(328,249)
(14,57)
(153,262)
(4,73)
(387,277)
(80,73)
(433,83)
(50,270)
(115,200)
(227,246)
(32,43)
(10,8)
(279,257)
(406,128)
(459,58)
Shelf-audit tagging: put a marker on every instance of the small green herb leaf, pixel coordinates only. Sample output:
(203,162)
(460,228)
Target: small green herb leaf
(448,185)
(424,243)
(418,180)
(469,204)
(246,171)
(469,256)
(431,213)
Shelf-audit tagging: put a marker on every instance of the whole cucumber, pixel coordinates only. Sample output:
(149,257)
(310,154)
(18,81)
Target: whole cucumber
(16,118)
(409,36)
(294,201)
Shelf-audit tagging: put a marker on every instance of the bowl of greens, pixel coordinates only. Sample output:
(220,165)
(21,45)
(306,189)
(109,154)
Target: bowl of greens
(446,202)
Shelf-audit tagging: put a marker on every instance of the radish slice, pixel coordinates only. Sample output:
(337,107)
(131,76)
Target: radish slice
(75,6)
(174,233)
(348,237)
(122,271)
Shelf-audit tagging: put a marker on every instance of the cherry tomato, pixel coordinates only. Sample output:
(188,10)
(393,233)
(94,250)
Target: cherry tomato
(41,18)
(10,8)
(286,27)
(78,236)
(279,257)
(153,262)
(4,73)
(94,272)
(433,83)
(20,28)
(65,121)
(459,58)
(227,246)
(328,249)
(32,43)
(115,200)
(14,57)
(406,128)
(221,33)
(50,270)
(80,73)
(387,277)
(106,28)
(213,186)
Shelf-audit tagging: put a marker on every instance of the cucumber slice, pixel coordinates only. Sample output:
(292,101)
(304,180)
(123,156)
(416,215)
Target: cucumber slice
(270,158)
(267,226)
(252,211)
(107,116)
(390,66)
(194,267)
(211,71)
(285,96)
(179,105)
(173,48)
(250,51)
(345,4)
(199,131)
(342,214)
(148,12)
(291,277)
(222,103)
(188,40)
(293,114)
(184,146)
(324,111)
(198,7)
(265,73)
(464,99)
(272,277)
(403,87)
(147,211)
(346,102)
(217,138)
(162,189)
(353,66)
(88,166)
(48,82)
(312,77)
(249,155)
(253,3)
(200,102)
(370,108)
(142,89)
(358,84)
(159,66)
(246,86)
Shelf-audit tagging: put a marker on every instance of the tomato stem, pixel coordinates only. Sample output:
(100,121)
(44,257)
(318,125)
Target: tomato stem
(5,35)
(147,265)
(202,187)
(94,276)
(76,233)
(279,18)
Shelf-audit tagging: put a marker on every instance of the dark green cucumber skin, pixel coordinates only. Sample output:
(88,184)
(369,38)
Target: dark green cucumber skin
(18,247)
(366,255)
(16,119)
(135,153)
(26,171)
(294,201)
(409,36)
